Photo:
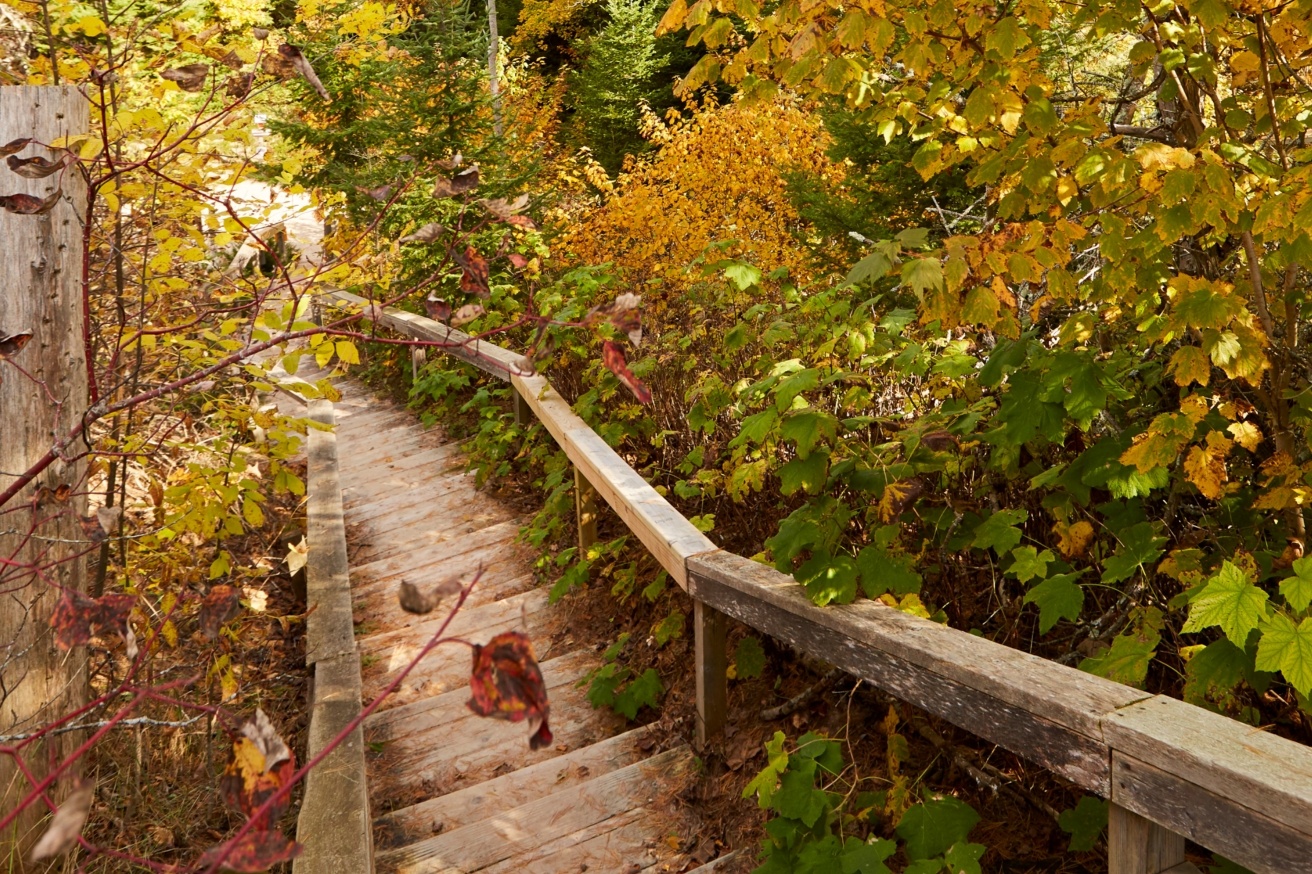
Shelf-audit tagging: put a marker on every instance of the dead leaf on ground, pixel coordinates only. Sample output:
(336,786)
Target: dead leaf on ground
(66,825)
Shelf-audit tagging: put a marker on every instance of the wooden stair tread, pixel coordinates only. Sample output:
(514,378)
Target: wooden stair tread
(522,830)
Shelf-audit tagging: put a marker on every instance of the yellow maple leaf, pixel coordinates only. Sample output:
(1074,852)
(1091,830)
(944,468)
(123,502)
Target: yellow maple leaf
(1073,540)
(1205,468)
(1246,434)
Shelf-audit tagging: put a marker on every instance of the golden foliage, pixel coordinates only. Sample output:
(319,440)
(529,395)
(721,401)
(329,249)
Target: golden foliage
(716,178)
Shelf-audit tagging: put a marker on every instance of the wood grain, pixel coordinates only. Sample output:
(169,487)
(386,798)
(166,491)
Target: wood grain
(1136,845)
(710,628)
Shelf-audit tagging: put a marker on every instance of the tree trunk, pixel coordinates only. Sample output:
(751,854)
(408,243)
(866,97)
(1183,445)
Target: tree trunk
(493,62)
(43,391)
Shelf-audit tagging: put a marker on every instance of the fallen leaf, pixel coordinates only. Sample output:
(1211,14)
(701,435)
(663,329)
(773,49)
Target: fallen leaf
(427,234)
(302,66)
(506,683)
(219,607)
(613,357)
(297,555)
(261,765)
(254,852)
(66,825)
(189,78)
(11,344)
(466,314)
(413,600)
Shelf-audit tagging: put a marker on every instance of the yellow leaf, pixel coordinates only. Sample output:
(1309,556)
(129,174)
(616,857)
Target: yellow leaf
(1190,364)
(1246,434)
(169,632)
(347,352)
(1206,470)
(1066,189)
(1073,540)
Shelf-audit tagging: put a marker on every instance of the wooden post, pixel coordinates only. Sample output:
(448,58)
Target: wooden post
(1136,845)
(585,506)
(523,411)
(418,358)
(709,629)
(41,293)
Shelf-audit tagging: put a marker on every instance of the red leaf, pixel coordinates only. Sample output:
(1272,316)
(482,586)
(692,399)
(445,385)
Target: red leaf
(438,310)
(474,278)
(76,616)
(517,261)
(12,344)
(26,204)
(507,683)
(254,852)
(613,357)
(219,607)
(37,167)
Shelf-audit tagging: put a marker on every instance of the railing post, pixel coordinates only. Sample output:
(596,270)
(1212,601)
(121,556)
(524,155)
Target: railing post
(1136,845)
(523,412)
(585,506)
(418,358)
(709,629)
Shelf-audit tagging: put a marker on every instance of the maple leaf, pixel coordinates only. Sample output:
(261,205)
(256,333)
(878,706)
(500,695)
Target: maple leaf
(506,683)
(261,765)
(613,357)
(76,616)
(219,607)
(66,825)
(188,78)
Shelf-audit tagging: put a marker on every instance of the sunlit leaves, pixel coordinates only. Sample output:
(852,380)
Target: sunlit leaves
(1287,648)
(1230,601)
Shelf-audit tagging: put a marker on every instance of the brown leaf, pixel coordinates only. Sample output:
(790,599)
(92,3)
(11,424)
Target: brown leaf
(38,167)
(437,309)
(254,852)
(260,33)
(13,147)
(466,314)
(463,182)
(276,65)
(231,60)
(939,441)
(473,279)
(27,204)
(60,493)
(66,825)
(12,344)
(506,683)
(522,221)
(240,85)
(302,66)
(517,261)
(427,234)
(219,607)
(613,357)
(382,192)
(189,78)
(413,600)
(76,616)
(502,209)
(898,497)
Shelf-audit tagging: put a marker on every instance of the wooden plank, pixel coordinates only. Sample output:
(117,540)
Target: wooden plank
(1136,845)
(608,846)
(709,629)
(486,356)
(1184,868)
(718,864)
(1212,819)
(669,537)
(405,543)
(1259,770)
(1036,708)
(585,512)
(399,468)
(474,803)
(327,571)
(437,562)
(446,516)
(512,833)
(363,503)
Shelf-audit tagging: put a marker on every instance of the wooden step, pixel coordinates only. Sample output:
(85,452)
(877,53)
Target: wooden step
(543,834)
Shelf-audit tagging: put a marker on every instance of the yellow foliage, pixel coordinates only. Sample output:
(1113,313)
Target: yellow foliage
(541,19)
(715,179)
(1073,540)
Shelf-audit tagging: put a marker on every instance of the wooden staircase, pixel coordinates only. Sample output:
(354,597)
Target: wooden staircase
(450,791)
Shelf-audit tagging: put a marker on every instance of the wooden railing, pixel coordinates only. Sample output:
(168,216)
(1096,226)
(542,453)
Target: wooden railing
(1170,770)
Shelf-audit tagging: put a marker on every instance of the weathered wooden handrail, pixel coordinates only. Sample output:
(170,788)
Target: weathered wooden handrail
(1171,770)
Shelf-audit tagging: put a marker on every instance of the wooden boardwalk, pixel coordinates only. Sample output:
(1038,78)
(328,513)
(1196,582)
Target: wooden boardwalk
(450,791)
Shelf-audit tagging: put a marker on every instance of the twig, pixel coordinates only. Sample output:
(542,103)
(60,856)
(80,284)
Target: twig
(800,700)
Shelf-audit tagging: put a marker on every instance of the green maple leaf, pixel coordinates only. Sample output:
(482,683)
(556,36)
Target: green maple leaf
(882,571)
(807,474)
(1212,675)
(749,658)
(999,531)
(923,274)
(863,858)
(764,783)
(1058,597)
(1084,823)
(829,579)
(808,428)
(1298,588)
(1127,660)
(1287,648)
(645,690)
(1028,563)
(1230,601)
(932,826)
